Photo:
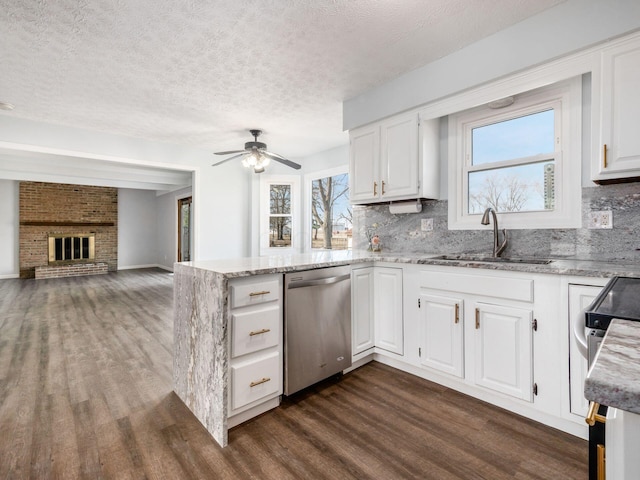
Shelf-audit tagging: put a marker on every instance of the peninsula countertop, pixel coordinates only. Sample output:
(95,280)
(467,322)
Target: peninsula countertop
(614,378)
(240,267)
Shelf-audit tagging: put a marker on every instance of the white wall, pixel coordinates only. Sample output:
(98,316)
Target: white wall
(137,229)
(568,27)
(9,229)
(222,194)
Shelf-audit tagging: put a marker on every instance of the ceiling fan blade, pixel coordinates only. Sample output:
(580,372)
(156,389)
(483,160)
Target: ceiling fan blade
(278,158)
(229,152)
(228,159)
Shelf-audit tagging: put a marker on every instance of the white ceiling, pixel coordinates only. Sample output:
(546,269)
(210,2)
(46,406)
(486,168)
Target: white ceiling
(201,73)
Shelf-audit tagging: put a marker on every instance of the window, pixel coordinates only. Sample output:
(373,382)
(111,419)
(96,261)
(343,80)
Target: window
(523,161)
(280,215)
(279,210)
(330,212)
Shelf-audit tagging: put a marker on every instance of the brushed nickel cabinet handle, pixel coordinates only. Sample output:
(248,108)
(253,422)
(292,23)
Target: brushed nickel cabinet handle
(259,332)
(255,294)
(457,313)
(477,318)
(259,382)
(604,155)
(383,187)
(375,188)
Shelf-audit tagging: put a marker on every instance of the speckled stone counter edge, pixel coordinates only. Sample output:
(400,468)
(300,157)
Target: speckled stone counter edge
(614,378)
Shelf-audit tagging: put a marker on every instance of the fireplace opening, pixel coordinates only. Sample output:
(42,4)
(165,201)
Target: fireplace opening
(72,248)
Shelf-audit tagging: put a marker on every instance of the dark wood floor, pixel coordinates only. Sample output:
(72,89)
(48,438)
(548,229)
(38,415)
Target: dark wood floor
(85,392)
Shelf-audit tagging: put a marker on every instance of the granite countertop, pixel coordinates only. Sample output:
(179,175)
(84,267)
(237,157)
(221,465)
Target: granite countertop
(614,378)
(241,267)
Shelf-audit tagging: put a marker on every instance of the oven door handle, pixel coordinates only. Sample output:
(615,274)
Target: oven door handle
(579,334)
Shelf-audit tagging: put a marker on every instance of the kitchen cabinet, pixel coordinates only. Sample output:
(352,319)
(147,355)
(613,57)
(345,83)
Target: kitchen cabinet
(388,310)
(622,432)
(396,159)
(478,327)
(503,345)
(580,297)
(442,333)
(616,107)
(362,310)
(255,366)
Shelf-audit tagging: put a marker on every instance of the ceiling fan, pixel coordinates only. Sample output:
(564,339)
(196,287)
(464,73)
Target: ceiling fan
(256,155)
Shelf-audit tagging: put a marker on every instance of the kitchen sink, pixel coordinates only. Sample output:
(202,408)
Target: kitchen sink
(483,258)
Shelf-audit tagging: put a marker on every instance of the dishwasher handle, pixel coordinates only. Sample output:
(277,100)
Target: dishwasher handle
(319,281)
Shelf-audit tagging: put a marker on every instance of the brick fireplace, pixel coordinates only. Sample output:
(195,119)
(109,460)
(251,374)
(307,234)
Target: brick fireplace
(67,230)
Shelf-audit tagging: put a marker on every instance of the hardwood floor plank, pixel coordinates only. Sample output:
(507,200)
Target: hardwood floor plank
(86,392)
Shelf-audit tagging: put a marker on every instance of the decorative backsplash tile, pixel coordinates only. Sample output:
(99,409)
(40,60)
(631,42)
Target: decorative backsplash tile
(403,233)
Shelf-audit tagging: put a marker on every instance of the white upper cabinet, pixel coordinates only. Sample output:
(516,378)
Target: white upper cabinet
(364,152)
(393,160)
(399,158)
(616,108)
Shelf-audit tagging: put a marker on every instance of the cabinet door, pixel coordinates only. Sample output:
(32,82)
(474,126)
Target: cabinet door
(580,297)
(362,310)
(441,334)
(620,110)
(388,309)
(399,157)
(364,165)
(504,349)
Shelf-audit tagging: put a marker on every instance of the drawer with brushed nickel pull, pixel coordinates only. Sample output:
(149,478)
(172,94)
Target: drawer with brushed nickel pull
(253,290)
(254,330)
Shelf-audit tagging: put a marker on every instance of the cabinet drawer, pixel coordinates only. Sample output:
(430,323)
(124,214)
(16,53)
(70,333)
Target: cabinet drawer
(251,381)
(511,288)
(243,293)
(255,330)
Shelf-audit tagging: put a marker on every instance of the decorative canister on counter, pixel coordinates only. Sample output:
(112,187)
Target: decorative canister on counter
(376,246)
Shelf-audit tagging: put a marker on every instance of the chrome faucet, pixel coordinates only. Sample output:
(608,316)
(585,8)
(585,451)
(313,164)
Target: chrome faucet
(497,250)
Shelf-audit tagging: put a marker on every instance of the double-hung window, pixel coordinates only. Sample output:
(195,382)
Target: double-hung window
(522,160)
(279,214)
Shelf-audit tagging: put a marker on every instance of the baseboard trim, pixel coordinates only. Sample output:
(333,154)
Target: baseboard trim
(152,265)
(9,275)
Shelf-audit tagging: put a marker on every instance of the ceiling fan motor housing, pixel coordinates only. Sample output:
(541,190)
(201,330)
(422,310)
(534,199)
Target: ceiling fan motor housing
(252,145)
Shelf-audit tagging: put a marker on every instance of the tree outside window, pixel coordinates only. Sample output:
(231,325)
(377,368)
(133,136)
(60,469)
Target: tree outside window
(279,215)
(331,215)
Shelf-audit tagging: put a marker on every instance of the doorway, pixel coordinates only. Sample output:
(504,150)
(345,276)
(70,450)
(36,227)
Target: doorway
(184,229)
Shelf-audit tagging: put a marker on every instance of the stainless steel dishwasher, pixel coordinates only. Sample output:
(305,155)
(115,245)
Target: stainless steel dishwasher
(317,318)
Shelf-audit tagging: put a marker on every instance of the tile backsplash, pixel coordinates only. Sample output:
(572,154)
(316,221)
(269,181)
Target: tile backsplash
(402,233)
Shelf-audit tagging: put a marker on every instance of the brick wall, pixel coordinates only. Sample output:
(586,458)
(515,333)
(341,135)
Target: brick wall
(52,208)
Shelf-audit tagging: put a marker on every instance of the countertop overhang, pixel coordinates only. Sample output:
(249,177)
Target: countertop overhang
(614,378)
(241,267)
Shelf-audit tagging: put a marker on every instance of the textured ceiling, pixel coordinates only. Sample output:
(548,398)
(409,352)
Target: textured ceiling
(201,73)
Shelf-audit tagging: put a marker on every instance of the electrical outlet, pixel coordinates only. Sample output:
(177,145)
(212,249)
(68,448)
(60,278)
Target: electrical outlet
(601,219)
(426,224)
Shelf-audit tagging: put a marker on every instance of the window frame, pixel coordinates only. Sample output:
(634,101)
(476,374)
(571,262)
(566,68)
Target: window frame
(566,99)
(307,231)
(265,213)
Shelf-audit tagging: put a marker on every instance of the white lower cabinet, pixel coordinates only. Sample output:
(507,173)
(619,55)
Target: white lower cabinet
(255,342)
(442,333)
(503,347)
(362,310)
(388,316)
(377,313)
